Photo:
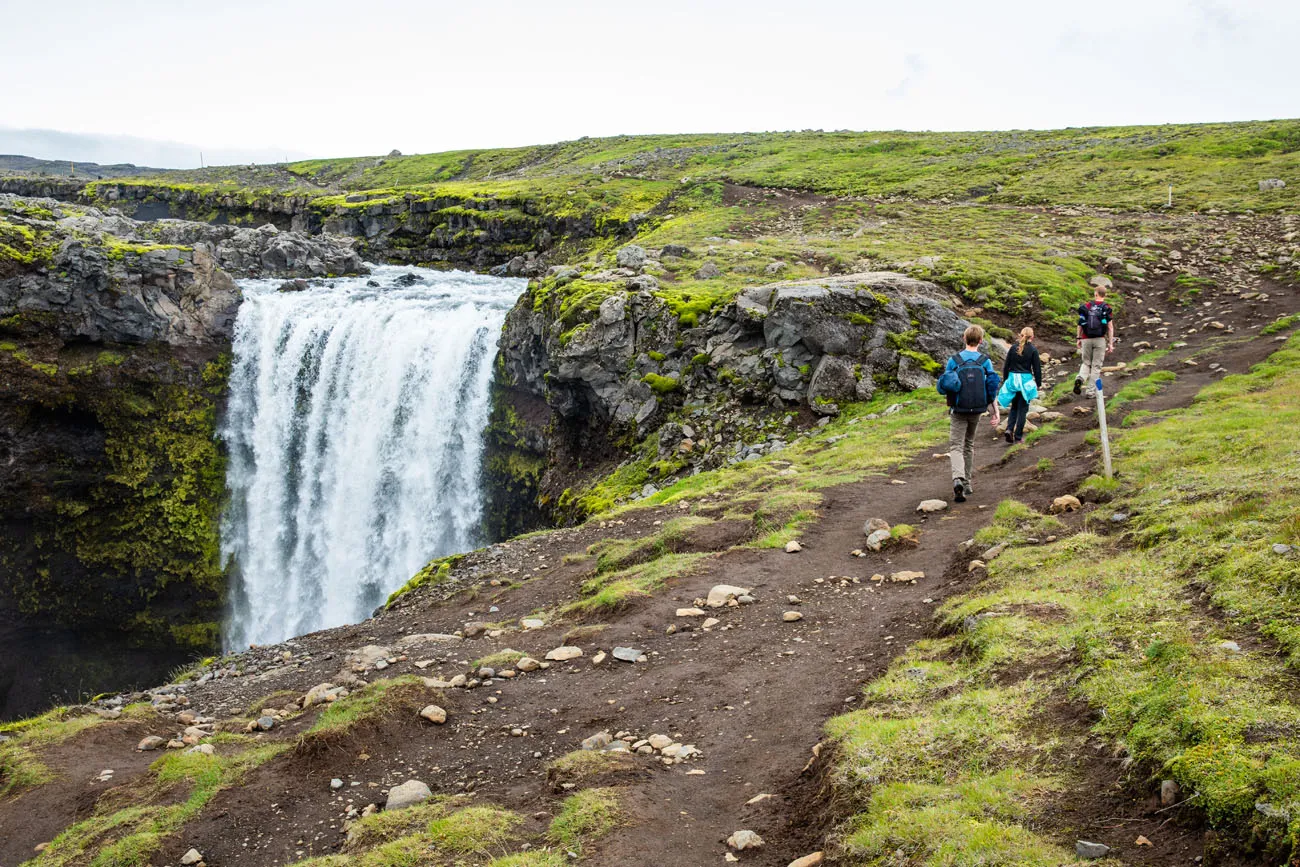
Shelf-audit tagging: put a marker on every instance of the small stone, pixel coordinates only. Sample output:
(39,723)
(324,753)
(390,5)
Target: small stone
(658,742)
(792,616)
(1118,518)
(266,723)
(691,612)
(710,622)
(994,552)
(742,840)
(316,695)
(474,629)
(599,658)
(932,506)
(793,547)
(527,663)
(561,654)
(434,714)
(1279,548)
(1065,504)
(721,594)
(875,524)
(1090,851)
(407,794)
(813,860)
(906,575)
(1230,646)
(202,749)
(532,623)
(627,654)
(598,741)
(672,750)
(1169,790)
(759,798)
(336,784)
(975,565)
(152,742)
(191,857)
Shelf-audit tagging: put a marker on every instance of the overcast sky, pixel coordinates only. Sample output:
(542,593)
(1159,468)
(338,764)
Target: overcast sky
(265,79)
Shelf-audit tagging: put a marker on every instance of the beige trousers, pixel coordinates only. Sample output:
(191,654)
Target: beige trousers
(961,443)
(1093,351)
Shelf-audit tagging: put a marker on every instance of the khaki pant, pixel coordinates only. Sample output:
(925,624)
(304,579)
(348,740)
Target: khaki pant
(961,444)
(1093,351)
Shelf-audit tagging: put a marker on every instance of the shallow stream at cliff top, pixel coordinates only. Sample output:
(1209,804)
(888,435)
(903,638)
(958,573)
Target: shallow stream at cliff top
(355,429)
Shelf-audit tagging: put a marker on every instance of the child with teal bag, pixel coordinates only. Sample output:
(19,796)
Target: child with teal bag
(1022,376)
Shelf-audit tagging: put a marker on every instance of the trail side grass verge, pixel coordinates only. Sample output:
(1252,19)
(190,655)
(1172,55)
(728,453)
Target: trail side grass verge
(954,758)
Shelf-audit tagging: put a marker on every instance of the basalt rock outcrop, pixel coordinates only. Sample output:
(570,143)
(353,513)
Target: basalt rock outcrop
(630,369)
(114,338)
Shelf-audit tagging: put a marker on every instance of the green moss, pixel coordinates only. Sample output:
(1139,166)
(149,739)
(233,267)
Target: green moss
(434,573)
(612,591)
(661,384)
(368,704)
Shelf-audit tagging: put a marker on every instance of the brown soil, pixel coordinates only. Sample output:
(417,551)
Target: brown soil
(752,693)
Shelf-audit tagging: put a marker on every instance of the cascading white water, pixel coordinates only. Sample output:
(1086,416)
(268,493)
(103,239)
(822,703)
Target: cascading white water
(354,429)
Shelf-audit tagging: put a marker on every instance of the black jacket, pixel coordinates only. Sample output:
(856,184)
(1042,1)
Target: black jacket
(1026,362)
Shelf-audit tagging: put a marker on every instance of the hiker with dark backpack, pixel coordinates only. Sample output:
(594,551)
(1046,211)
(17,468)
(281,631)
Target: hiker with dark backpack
(1096,337)
(971,385)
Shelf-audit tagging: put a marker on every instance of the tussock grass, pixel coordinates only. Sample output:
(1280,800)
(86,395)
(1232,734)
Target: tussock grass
(585,817)
(613,590)
(368,705)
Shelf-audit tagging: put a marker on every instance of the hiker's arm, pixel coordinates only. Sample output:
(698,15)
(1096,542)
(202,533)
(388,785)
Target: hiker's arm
(1038,369)
(1110,334)
(1006,365)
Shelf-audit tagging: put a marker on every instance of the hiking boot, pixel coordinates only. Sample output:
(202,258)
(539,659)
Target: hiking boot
(969,491)
(959,490)
(1009,438)
(1078,384)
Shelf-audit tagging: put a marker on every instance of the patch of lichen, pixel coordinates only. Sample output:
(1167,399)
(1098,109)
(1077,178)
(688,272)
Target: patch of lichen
(513,468)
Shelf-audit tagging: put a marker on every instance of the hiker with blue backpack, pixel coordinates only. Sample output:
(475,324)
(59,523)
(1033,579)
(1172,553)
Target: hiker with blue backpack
(971,385)
(1022,376)
(1095,337)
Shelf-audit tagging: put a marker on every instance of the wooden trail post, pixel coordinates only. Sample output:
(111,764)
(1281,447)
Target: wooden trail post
(1105,437)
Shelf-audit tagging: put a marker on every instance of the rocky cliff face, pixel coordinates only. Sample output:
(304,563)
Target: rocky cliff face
(637,368)
(113,342)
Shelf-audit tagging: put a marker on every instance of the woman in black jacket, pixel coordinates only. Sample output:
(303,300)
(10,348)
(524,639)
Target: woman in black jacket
(1022,376)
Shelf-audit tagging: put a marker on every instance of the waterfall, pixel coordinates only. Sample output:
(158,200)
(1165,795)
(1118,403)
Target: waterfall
(355,431)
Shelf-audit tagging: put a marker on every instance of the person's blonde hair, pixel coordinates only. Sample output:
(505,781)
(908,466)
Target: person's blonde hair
(1099,291)
(1026,335)
(974,335)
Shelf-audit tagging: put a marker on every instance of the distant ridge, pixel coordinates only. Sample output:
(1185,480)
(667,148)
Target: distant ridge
(18,164)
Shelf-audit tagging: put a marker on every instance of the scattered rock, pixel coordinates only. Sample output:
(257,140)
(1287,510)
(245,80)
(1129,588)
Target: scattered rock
(708,271)
(677,250)
(434,714)
(598,658)
(1090,851)
(191,857)
(598,741)
(1279,548)
(691,612)
(721,594)
(1230,646)
(336,784)
(813,860)
(266,723)
(877,539)
(532,623)
(627,654)
(932,506)
(875,524)
(1118,518)
(659,742)
(152,742)
(1169,790)
(203,749)
(630,256)
(527,663)
(1269,184)
(407,794)
(792,616)
(710,622)
(561,654)
(994,552)
(742,840)
(760,797)
(474,629)
(793,547)
(906,576)
(1065,504)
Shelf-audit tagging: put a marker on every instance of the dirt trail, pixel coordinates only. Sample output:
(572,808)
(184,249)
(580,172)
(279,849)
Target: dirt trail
(752,693)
